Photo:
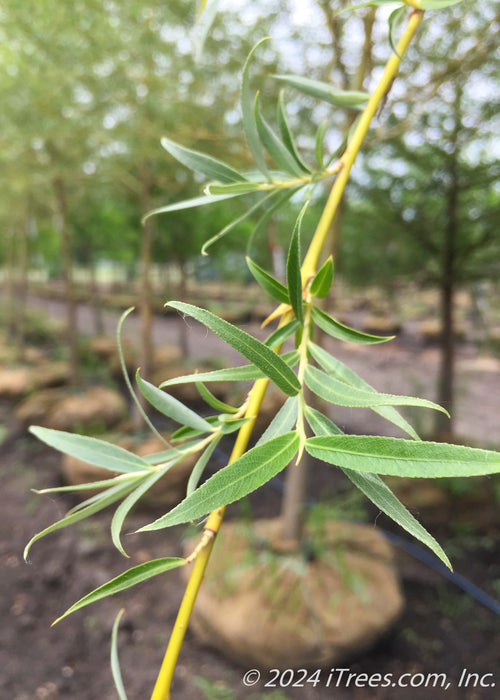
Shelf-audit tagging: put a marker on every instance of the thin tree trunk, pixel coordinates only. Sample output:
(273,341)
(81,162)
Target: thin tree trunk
(95,298)
(292,509)
(22,287)
(8,287)
(446,381)
(145,312)
(67,266)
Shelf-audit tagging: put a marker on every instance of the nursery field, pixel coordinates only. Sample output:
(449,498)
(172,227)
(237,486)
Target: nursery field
(442,629)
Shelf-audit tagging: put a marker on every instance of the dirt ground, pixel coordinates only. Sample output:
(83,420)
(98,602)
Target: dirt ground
(442,630)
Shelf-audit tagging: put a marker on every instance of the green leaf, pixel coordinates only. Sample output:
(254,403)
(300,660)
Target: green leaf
(381,495)
(395,19)
(397,457)
(283,421)
(212,400)
(279,199)
(129,502)
(319,144)
(235,481)
(320,424)
(234,188)
(129,578)
(437,4)
(173,453)
(286,133)
(269,283)
(232,224)
(187,204)
(248,116)
(232,374)
(256,352)
(199,467)
(324,91)
(201,163)
(342,394)
(185,432)
(92,485)
(320,286)
(98,452)
(95,504)
(204,21)
(282,333)
(293,272)
(340,332)
(339,370)
(115,663)
(171,407)
(230,424)
(276,149)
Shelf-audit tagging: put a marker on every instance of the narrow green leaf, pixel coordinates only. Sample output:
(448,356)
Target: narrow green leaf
(186,433)
(293,272)
(337,369)
(187,204)
(269,283)
(437,4)
(395,19)
(340,332)
(129,502)
(173,453)
(171,407)
(370,3)
(199,467)
(232,224)
(319,144)
(98,452)
(92,485)
(320,424)
(256,352)
(341,394)
(286,133)
(283,421)
(129,578)
(204,21)
(235,481)
(282,333)
(232,374)
(324,91)
(231,425)
(234,188)
(397,457)
(213,401)
(201,163)
(248,116)
(279,199)
(381,495)
(320,286)
(115,662)
(276,149)
(96,504)
(127,381)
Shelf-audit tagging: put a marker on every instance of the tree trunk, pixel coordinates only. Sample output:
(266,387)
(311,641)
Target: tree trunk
(95,299)
(67,266)
(292,509)
(21,287)
(446,381)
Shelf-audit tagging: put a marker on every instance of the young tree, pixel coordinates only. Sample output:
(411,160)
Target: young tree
(362,458)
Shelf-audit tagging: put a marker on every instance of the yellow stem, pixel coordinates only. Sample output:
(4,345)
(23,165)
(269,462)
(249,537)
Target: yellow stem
(202,553)
(349,156)
(162,687)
